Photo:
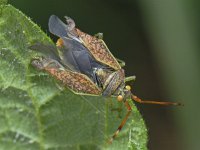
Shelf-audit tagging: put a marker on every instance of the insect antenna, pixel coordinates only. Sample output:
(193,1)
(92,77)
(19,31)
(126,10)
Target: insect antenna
(137,99)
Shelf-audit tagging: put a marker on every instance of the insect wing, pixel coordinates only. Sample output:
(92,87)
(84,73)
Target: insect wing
(80,58)
(95,46)
(73,53)
(49,51)
(57,27)
(77,82)
(99,50)
(60,29)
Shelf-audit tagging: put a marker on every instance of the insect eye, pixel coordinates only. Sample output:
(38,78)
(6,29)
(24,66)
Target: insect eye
(128,87)
(119,98)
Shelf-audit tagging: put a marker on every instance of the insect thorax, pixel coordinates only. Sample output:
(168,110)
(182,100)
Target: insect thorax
(112,82)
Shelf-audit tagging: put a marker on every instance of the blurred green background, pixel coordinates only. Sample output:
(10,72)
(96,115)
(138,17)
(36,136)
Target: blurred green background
(159,41)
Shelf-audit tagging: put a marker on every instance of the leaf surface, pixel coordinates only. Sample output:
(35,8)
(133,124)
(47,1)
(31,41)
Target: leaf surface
(37,114)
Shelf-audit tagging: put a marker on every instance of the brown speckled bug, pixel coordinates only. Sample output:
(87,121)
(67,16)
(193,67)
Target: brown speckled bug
(86,66)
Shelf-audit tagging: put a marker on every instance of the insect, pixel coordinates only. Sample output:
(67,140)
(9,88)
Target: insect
(86,66)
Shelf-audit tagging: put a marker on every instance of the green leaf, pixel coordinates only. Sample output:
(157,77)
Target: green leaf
(3,2)
(36,114)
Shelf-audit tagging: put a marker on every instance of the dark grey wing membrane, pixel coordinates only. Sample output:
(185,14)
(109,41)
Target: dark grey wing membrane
(60,29)
(49,51)
(57,27)
(77,55)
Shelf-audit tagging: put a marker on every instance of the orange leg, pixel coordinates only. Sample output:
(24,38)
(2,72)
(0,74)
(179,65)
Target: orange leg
(122,123)
(135,98)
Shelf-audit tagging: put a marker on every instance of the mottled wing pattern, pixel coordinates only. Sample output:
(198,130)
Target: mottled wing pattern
(79,83)
(98,49)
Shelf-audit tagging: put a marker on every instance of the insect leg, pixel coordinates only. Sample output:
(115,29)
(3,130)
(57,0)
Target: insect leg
(70,23)
(131,78)
(122,123)
(137,99)
(118,109)
(121,62)
(42,63)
